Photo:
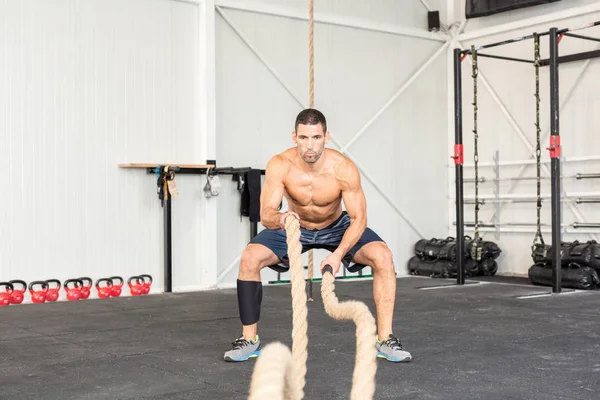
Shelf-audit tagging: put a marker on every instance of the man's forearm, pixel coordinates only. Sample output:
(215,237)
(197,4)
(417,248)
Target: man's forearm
(352,235)
(270,219)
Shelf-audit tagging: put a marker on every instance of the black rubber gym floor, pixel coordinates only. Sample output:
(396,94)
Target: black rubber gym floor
(476,341)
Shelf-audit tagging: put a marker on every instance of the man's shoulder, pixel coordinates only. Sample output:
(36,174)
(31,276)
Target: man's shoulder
(279,163)
(283,158)
(340,161)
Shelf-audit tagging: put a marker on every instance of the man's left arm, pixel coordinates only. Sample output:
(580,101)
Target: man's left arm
(356,207)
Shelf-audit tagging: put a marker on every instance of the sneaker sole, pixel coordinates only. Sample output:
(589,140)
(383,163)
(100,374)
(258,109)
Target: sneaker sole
(397,360)
(251,355)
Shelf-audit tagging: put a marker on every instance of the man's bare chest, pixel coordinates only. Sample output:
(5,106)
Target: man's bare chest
(312,189)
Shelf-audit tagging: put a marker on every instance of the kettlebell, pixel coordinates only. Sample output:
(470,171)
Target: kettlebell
(116,287)
(104,292)
(136,289)
(86,288)
(73,293)
(6,295)
(18,295)
(38,296)
(53,292)
(147,283)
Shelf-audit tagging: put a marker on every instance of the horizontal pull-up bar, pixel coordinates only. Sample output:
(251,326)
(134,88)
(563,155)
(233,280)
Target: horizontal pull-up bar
(582,37)
(579,200)
(585,225)
(505,58)
(577,176)
(586,55)
(521,38)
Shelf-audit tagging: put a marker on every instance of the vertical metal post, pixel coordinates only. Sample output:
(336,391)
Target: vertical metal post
(458,161)
(253,229)
(168,248)
(555,163)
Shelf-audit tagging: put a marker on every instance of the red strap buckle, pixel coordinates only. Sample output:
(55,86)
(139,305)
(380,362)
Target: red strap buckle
(554,146)
(458,154)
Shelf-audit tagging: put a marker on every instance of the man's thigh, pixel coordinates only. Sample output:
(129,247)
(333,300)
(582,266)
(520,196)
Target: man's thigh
(273,245)
(363,252)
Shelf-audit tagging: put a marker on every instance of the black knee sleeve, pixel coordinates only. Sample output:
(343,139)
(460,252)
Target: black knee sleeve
(249,301)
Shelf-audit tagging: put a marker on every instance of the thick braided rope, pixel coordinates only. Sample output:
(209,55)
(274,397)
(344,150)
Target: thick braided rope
(273,376)
(279,374)
(365,366)
(311,93)
(299,308)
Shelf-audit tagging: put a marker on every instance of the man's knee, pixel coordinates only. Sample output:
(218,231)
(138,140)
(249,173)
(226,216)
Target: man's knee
(381,256)
(253,258)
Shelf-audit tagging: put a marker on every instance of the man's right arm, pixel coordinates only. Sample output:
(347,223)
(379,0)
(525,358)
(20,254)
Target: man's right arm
(272,192)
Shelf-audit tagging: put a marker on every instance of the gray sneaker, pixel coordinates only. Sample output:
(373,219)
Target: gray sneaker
(243,349)
(391,349)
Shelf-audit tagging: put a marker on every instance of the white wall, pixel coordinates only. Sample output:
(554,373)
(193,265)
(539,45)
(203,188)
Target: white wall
(514,86)
(85,85)
(356,73)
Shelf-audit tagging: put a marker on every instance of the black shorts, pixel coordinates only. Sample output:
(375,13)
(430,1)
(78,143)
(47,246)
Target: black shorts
(327,238)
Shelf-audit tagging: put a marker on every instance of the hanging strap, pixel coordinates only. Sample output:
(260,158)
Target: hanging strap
(538,239)
(475,139)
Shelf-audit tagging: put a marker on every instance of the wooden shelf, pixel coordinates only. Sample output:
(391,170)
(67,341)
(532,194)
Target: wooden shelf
(183,166)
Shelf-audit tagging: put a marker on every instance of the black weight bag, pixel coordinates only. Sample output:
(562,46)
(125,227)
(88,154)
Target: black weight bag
(471,268)
(585,254)
(434,249)
(573,276)
(482,249)
(440,268)
(431,268)
(487,267)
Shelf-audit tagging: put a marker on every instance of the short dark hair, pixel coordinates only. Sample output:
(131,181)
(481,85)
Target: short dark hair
(311,116)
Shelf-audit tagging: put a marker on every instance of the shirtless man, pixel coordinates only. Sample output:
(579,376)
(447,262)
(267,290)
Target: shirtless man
(315,180)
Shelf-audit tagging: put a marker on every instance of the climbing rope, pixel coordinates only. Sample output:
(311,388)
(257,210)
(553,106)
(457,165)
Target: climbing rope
(311,104)
(280,374)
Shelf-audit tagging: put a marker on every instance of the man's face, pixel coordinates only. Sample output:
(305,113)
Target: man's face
(310,140)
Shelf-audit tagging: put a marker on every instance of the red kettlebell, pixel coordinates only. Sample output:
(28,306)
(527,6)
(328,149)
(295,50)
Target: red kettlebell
(116,287)
(53,291)
(38,296)
(104,292)
(73,293)
(147,283)
(18,295)
(136,289)
(6,295)
(86,288)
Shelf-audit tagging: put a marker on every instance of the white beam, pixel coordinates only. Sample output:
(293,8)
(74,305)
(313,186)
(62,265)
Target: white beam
(395,96)
(529,22)
(330,19)
(207,113)
(262,59)
(303,105)
(194,2)
(426,5)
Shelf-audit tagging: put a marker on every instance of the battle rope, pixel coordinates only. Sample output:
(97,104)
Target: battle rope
(280,374)
(365,364)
